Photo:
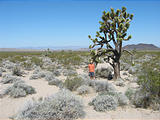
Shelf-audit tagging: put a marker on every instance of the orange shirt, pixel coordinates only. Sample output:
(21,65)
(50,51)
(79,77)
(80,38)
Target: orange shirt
(91,67)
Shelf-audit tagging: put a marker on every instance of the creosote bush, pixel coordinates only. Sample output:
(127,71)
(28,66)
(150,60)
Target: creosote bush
(73,82)
(149,81)
(19,89)
(37,61)
(61,106)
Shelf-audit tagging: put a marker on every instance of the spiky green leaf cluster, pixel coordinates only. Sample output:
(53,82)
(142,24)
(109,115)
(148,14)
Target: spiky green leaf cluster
(113,28)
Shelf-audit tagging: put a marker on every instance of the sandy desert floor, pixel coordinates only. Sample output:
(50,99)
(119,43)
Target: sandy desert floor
(10,106)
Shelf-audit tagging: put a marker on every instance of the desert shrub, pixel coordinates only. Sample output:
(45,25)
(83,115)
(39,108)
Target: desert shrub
(37,61)
(132,70)
(19,89)
(8,65)
(57,72)
(49,76)
(55,81)
(86,80)
(8,78)
(122,99)
(34,76)
(84,89)
(104,103)
(149,81)
(27,65)
(37,70)
(38,73)
(100,86)
(105,73)
(61,106)
(130,93)
(120,82)
(73,82)
(47,61)
(118,96)
(69,72)
(2,69)
(17,71)
(141,99)
(0,74)
(18,59)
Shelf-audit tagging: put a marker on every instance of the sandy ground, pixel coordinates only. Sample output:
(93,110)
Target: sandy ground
(10,106)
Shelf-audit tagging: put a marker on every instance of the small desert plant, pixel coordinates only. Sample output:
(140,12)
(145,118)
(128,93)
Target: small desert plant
(84,89)
(8,78)
(19,89)
(27,65)
(104,103)
(73,82)
(141,99)
(37,61)
(0,74)
(61,106)
(118,96)
(130,93)
(149,81)
(55,82)
(100,86)
(105,73)
(17,71)
(18,59)
(69,72)
(34,76)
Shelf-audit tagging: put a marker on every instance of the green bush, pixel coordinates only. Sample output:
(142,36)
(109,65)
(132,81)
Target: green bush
(149,81)
(37,61)
(73,82)
(18,59)
(130,93)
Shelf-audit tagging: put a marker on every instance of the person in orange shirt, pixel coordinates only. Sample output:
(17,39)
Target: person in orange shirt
(91,70)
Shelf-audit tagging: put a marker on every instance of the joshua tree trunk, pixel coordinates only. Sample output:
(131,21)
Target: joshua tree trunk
(116,70)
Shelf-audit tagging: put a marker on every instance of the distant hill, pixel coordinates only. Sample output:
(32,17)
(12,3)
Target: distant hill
(141,46)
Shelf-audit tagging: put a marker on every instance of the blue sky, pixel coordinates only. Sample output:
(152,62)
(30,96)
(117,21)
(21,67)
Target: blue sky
(37,23)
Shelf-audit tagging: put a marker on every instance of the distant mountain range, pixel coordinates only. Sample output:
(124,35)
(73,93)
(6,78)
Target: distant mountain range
(57,48)
(141,46)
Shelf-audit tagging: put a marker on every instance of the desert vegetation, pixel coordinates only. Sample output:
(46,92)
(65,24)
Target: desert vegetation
(138,87)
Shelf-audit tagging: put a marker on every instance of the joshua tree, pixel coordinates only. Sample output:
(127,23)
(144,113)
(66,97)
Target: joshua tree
(113,31)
